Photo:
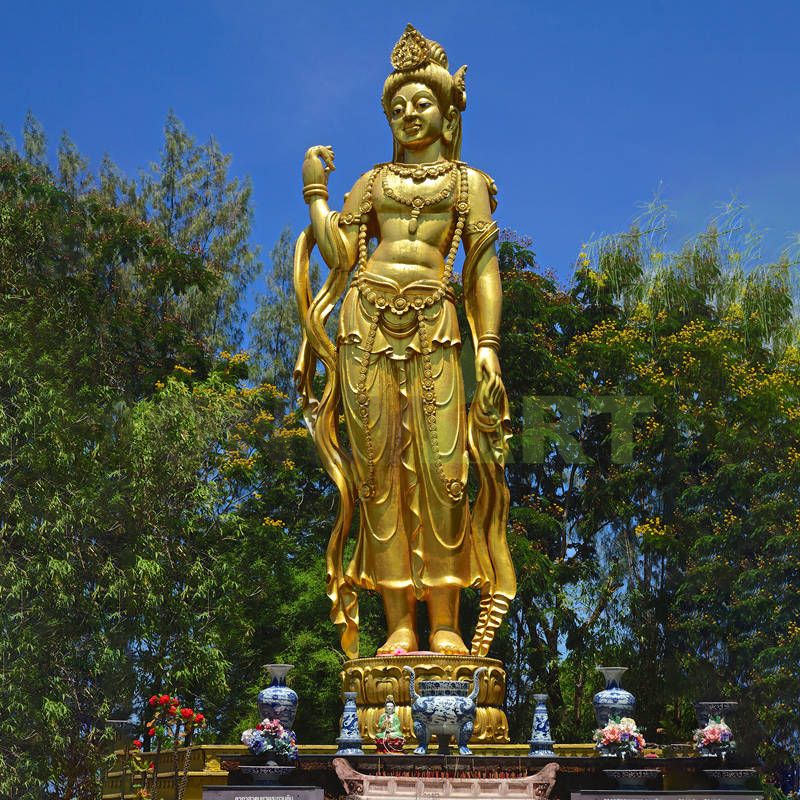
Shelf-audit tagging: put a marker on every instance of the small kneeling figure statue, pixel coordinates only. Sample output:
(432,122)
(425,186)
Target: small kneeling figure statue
(389,736)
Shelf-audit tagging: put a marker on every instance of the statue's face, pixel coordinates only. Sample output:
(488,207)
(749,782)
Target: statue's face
(415,117)
(389,707)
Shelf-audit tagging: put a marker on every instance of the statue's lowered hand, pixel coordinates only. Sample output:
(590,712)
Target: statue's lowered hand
(490,383)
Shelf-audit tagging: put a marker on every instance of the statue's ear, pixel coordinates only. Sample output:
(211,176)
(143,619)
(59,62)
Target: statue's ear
(452,116)
(451,120)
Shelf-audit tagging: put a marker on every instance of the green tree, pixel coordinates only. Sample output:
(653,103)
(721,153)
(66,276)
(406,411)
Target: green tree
(79,351)
(164,520)
(165,517)
(670,555)
(119,508)
(708,501)
(189,195)
(274,326)
(563,584)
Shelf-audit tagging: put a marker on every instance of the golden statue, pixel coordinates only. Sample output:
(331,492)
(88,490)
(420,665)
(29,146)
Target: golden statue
(394,369)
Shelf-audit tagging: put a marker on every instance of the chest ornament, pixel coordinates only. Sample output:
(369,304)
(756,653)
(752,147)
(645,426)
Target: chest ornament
(417,201)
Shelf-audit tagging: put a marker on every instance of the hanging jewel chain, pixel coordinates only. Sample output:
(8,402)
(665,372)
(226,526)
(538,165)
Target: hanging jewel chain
(400,305)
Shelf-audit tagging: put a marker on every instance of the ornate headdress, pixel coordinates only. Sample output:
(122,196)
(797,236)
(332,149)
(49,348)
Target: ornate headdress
(415,58)
(412,49)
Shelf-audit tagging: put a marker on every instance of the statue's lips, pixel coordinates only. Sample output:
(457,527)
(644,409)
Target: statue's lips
(412,129)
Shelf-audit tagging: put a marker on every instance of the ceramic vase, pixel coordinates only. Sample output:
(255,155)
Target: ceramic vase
(349,740)
(613,701)
(278,701)
(541,743)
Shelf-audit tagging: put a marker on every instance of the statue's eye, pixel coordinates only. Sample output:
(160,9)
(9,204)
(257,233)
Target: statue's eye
(423,104)
(397,111)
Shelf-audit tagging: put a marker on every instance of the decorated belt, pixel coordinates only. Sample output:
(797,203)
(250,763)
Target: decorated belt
(414,297)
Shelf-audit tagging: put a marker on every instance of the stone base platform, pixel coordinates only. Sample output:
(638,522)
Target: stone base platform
(580,771)
(373,679)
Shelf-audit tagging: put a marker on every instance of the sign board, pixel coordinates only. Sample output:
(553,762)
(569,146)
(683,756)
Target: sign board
(264,792)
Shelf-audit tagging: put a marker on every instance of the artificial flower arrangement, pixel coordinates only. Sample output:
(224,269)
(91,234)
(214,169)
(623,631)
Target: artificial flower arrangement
(619,737)
(715,739)
(171,725)
(269,738)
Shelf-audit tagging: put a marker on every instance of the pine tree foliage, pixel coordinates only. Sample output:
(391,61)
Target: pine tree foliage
(189,195)
(274,327)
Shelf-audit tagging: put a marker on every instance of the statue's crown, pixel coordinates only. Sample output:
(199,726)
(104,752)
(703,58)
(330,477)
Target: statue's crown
(411,51)
(414,51)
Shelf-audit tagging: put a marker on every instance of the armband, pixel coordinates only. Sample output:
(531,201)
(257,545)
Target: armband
(349,219)
(478,226)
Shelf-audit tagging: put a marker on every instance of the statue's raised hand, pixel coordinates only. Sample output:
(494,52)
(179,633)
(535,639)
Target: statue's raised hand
(317,164)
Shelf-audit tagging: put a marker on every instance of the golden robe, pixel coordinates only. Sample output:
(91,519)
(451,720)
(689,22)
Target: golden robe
(412,532)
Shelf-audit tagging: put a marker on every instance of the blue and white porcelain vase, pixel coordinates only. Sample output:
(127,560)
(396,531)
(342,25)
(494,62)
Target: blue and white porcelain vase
(541,743)
(278,701)
(613,701)
(349,740)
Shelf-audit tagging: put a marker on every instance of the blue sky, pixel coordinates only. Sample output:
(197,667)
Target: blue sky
(578,110)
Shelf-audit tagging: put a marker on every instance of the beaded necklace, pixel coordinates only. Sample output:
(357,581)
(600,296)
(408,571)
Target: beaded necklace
(420,172)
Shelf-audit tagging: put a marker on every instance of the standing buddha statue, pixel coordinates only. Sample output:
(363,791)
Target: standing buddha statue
(394,369)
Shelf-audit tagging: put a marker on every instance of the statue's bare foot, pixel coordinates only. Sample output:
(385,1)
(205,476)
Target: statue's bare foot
(448,642)
(400,639)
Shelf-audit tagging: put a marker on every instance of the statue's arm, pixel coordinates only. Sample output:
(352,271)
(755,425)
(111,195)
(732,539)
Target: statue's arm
(483,296)
(341,237)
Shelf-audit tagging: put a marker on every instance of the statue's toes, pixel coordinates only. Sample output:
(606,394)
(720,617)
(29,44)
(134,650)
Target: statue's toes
(400,642)
(448,643)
